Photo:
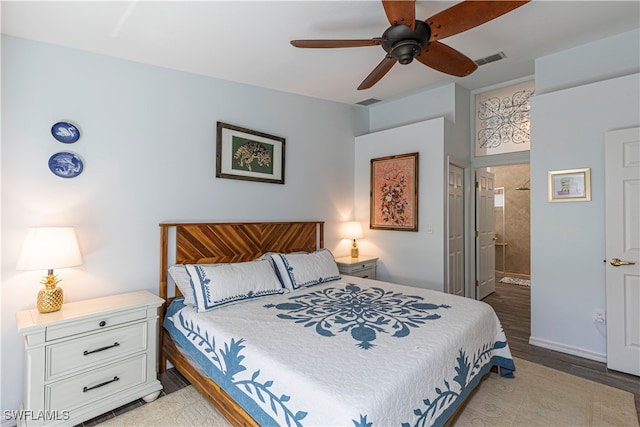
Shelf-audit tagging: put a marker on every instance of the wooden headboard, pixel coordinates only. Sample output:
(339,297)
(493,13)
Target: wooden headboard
(223,242)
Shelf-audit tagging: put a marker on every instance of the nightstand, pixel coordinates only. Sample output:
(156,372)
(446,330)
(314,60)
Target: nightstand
(364,266)
(89,358)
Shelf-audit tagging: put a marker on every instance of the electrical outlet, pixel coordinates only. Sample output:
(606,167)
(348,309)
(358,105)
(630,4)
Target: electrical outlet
(598,315)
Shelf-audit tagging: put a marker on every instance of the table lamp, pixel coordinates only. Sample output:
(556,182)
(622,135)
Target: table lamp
(353,231)
(47,248)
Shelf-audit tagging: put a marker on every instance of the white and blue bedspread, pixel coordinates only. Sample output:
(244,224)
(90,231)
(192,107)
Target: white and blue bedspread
(348,352)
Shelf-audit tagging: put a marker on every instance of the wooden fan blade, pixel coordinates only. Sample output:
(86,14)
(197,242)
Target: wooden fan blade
(379,72)
(400,12)
(337,43)
(446,59)
(468,14)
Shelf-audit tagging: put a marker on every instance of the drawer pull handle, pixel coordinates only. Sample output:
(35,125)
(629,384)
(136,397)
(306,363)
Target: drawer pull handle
(86,389)
(115,344)
(102,324)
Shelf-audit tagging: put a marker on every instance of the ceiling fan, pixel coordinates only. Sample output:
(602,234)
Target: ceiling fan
(408,38)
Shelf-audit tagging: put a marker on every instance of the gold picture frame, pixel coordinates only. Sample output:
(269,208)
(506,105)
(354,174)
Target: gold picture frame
(571,185)
(394,193)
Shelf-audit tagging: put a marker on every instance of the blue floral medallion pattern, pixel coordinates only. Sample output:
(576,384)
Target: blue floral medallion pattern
(448,397)
(337,310)
(227,361)
(362,312)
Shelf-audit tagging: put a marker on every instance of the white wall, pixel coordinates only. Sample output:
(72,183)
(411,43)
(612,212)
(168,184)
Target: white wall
(148,140)
(567,239)
(406,257)
(449,104)
(568,127)
(431,104)
(604,59)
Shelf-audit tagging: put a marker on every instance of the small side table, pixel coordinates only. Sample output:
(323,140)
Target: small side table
(89,357)
(364,266)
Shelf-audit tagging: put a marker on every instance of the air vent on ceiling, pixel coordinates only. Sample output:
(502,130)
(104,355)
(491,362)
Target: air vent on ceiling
(491,58)
(368,102)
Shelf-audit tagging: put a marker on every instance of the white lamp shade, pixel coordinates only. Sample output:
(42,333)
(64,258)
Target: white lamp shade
(353,230)
(48,248)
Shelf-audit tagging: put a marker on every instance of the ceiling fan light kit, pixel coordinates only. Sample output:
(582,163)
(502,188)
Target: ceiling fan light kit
(407,38)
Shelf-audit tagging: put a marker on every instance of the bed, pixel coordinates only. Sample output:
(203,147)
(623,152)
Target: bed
(307,346)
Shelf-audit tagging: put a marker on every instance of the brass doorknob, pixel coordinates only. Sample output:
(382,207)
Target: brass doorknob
(617,262)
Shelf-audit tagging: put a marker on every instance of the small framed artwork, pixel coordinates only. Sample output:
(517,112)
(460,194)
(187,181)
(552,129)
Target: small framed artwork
(249,155)
(572,185)
(394,193)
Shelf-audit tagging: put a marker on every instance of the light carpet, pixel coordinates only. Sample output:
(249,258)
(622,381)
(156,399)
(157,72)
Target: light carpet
(538,396)
(515,281)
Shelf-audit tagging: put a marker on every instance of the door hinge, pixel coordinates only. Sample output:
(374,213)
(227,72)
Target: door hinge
(477,184)
(477,283)
(477,233)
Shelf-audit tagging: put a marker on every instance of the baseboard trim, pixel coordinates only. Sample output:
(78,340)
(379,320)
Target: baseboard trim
(563,348)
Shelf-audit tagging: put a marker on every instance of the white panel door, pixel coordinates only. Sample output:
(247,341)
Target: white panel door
(456,230)
(622,194)
(485,234)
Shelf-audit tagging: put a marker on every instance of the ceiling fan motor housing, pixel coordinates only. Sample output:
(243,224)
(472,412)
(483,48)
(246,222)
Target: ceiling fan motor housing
(403,43)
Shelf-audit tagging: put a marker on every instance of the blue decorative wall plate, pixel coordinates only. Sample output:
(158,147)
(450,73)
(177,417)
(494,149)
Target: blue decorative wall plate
(65,132)
(66,165)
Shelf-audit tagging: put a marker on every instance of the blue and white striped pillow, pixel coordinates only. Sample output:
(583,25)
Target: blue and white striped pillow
(216,285)
(305,269)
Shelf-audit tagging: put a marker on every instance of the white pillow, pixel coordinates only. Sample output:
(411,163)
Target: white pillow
(182,280)
(305,269)
(268,256)
(215,285)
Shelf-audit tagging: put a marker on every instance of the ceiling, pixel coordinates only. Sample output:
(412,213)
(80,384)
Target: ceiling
(248,41)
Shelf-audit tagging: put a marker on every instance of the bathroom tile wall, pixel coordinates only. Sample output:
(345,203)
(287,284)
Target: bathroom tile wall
(516,231)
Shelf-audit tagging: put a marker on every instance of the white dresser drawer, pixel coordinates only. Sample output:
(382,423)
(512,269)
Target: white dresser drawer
(89,357)
(365,273)
(361,267)
(94,324)
(80,390)
(74,355)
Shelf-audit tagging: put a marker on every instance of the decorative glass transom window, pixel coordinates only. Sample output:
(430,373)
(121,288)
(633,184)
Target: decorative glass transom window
(502,122)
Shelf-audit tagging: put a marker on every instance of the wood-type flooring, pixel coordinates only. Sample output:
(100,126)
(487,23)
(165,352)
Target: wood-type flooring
(512,305)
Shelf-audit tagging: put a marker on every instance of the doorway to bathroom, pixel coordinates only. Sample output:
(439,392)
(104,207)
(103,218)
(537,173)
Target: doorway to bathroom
(512,202)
